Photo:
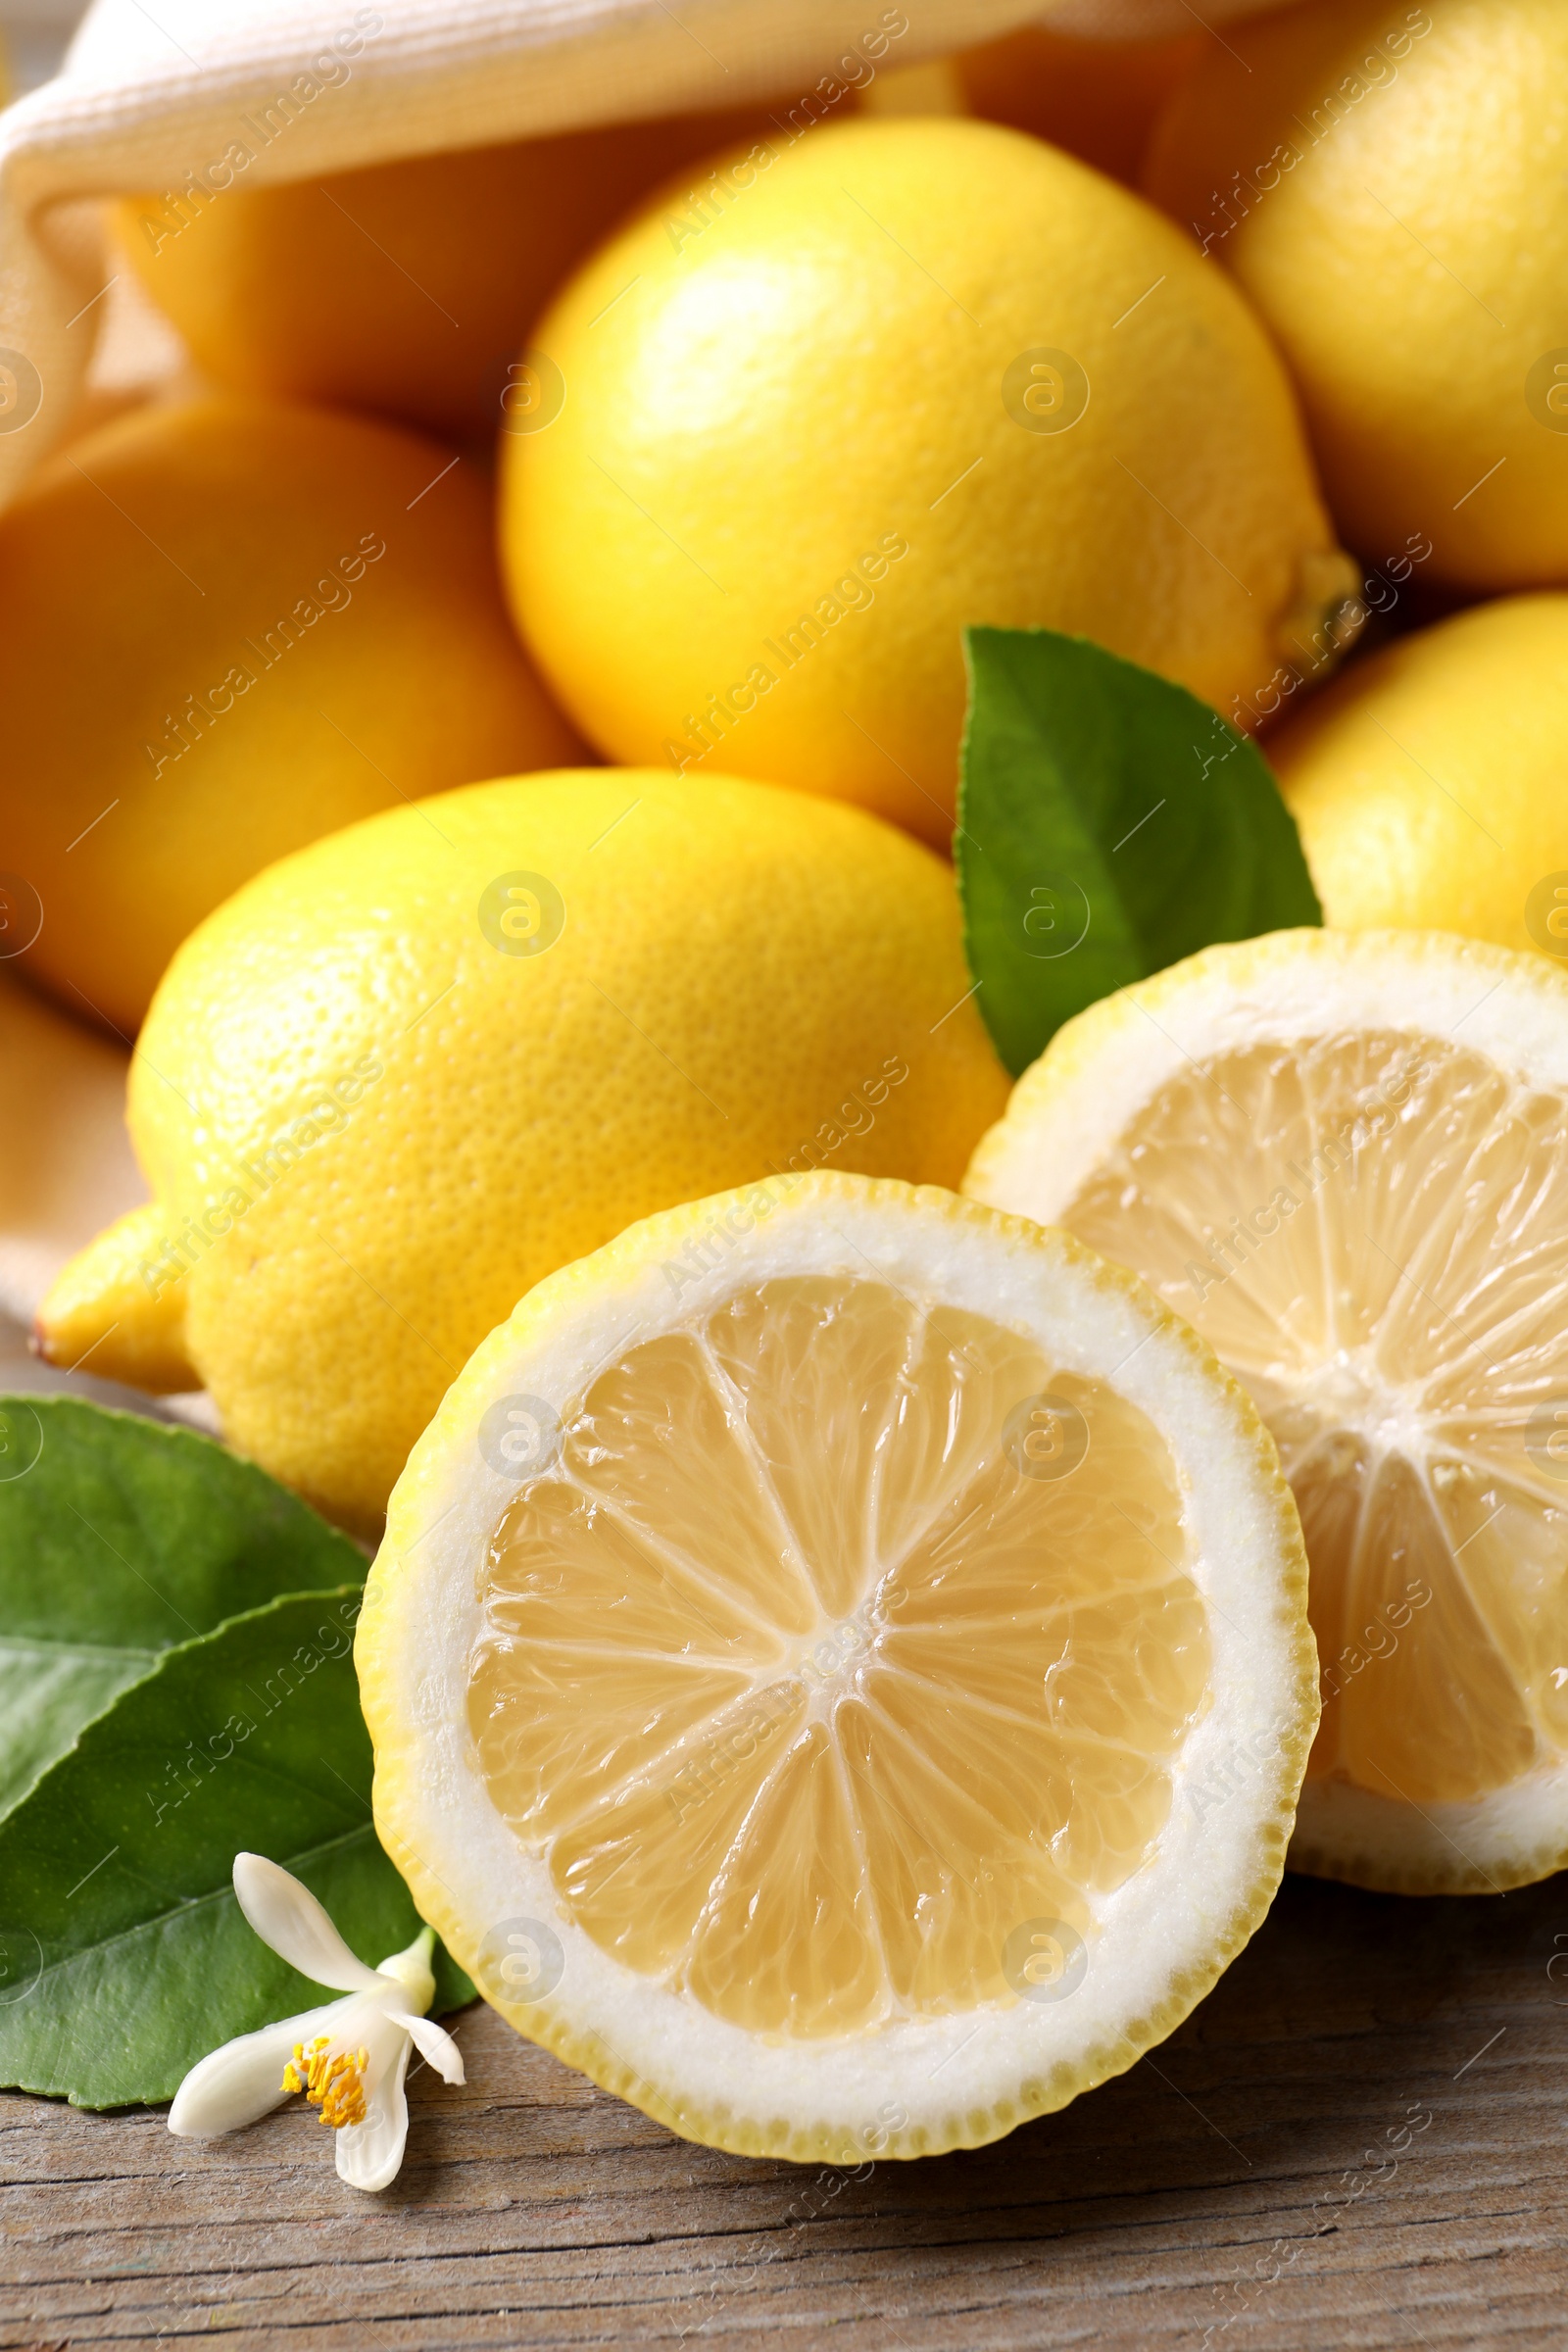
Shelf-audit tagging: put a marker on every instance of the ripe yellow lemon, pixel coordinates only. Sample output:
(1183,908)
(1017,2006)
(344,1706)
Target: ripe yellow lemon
(1390,184)
(1340,1154)
(406,288)
(1428,781)
(905,375)
(854,1703)
(225,629)
(406,1072)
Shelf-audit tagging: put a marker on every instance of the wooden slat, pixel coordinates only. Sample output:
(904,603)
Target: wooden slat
(1214,2184)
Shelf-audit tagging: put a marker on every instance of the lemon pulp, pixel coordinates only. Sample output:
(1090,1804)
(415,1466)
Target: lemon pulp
(844,1643)
(1371,1231)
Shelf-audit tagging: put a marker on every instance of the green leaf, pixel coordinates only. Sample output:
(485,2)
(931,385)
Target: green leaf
(118,1537)
(1109,823)
(123,1955)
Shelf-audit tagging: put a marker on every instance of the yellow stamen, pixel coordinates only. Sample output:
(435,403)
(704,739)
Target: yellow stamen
(333,2081)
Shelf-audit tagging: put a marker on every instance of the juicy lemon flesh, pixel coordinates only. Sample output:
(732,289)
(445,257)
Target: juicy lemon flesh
(845,1638)
(1391,1215)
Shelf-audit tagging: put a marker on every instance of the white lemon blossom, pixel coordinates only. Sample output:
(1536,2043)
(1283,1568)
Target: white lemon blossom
(348,2057)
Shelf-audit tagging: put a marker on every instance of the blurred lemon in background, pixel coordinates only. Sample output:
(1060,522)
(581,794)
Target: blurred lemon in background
(1099,99)
(1428,780)
(408,1072)
(67,1166)
(905,376)
(1390,184)
(227,628)
(406,288)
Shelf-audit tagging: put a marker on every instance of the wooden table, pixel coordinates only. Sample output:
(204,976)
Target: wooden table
(1213,2188)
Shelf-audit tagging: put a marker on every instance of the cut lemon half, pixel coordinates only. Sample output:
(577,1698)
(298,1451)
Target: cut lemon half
(1342,1155)
(839,1670)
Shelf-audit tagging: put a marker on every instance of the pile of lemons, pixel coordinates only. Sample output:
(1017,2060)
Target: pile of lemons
(495,747)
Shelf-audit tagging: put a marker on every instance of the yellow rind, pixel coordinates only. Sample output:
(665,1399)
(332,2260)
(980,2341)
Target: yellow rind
(1354,1867)
(1079,1043)
(398,1757)
(1479,699)
(100,1306)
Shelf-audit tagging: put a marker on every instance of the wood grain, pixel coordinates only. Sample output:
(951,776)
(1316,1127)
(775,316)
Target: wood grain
(1210,2192)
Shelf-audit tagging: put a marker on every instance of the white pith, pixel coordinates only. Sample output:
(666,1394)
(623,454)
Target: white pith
(1065,1119)
(1159,1937)
(1102,1067)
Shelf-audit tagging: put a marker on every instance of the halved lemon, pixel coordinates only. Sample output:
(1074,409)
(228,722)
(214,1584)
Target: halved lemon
(1344,1156)
(839,1670)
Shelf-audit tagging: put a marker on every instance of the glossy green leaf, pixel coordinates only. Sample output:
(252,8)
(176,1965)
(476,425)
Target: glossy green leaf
(1109,823)
(118,1537)
(123,1955)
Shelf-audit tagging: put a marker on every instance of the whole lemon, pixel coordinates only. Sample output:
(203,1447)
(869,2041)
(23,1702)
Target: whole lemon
(1428,780)
(407,288)
(408,1072)
(1390,184)
(226,628)
(901,376)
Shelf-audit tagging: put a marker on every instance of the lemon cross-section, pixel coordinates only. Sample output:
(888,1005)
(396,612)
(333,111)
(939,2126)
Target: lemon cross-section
(1372,1229)
(839,1669)
(850,1635)
(1341,1156)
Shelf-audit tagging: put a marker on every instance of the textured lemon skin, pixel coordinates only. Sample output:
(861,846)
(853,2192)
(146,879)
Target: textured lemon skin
(1410,263)
(175,545)
(741,975)
(99,1302)
(1428,781)
(406,288)
(770,426)
(410,1750)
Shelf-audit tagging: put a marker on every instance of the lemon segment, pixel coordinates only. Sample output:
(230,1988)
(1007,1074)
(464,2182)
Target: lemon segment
(844,1671)
(967,1588)
(1341,1156)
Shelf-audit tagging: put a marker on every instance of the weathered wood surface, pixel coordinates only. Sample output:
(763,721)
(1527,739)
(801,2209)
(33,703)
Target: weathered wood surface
(1215,2184)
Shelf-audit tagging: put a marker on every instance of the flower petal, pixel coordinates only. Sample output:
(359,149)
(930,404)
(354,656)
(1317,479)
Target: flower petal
(369,2154)
(412,1970)
(288,1917)
(244,2080)
(434,2044)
